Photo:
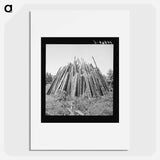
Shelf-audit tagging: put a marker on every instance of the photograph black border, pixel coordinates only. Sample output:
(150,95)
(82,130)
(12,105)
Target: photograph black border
(81,119)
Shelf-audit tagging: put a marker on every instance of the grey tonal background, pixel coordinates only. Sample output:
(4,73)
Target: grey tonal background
(142,72)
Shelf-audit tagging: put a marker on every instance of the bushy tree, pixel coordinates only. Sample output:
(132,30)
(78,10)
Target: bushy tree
(49,78)
(110,79)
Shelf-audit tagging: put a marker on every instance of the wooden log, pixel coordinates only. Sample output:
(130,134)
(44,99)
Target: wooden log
(101,77)
(69,88)
(97,89)
(79,87)
(83,86)
(57,81)
(52,87)
(74,82)
(98,84)
(60,83)
(103,82)
(78,79)
(69,84)
(79,112)
(92,86)
(94,62)
(64,84)
(88,90)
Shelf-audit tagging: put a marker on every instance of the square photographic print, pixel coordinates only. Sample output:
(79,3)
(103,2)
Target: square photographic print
(79,79)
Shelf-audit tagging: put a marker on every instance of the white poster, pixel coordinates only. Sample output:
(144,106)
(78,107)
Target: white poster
(79,80)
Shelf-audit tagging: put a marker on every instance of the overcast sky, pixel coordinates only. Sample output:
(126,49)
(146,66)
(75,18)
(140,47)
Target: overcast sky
(58,55)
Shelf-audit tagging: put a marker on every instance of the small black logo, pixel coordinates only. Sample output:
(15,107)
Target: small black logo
(8,8)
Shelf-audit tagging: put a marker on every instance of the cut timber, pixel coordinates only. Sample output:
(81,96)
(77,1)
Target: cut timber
(79,79)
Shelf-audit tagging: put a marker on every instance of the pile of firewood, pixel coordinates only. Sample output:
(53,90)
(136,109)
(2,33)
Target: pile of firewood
(79,79)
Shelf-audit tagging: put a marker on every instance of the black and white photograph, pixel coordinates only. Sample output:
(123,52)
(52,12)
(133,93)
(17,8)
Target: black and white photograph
(80,79)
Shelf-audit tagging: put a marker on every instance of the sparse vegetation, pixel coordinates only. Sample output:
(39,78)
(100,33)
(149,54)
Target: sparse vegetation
(79,89)
(62,104)
(110,79)
(49,78)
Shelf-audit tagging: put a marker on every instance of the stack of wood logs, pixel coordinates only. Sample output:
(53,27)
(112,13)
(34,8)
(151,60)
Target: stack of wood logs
(79,79)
